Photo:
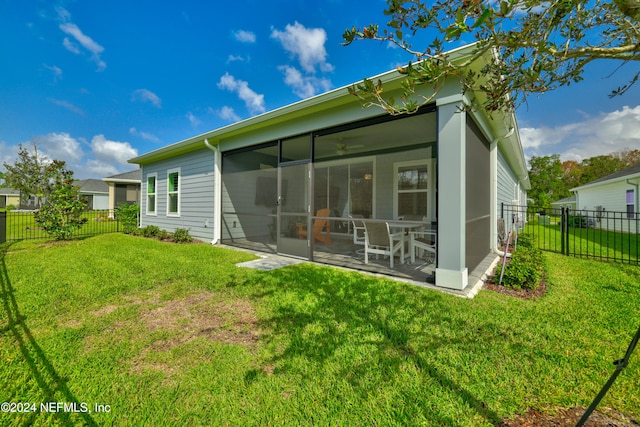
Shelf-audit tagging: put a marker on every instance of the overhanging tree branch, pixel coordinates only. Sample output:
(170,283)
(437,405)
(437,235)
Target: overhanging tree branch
(541,45)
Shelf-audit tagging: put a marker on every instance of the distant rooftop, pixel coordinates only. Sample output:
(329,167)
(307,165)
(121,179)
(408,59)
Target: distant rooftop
(134,175)
(633,170)
(6,191)
(93,186)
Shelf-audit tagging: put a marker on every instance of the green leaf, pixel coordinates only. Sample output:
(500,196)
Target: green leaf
(485,14)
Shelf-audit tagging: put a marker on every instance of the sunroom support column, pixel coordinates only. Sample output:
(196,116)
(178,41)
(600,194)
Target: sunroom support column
(451,271)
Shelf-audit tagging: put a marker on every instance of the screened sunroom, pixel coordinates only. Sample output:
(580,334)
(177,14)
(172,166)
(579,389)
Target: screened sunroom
(361,195)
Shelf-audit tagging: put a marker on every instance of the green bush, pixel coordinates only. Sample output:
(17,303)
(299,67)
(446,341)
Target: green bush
(151,231)
(526,268)
(163,235)
(61,215)
(181,235)
(127,214)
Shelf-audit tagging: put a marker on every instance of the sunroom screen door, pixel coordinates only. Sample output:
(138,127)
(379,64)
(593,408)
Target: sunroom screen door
(293,210)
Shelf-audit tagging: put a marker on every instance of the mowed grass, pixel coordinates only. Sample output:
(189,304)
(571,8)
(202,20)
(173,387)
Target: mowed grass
(587,242)
(174,335)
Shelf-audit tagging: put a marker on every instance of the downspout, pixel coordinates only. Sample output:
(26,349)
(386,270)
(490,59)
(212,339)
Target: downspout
(217,191)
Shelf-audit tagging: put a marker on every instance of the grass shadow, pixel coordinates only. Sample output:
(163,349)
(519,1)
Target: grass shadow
(342,303)
(52,386)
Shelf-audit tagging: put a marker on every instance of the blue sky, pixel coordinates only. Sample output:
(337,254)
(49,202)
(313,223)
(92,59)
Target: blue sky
(96,83)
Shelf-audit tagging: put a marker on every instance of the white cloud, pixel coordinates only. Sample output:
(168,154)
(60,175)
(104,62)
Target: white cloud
(57,71)
(65,104)
(237,58)
(244,36)
(5,154)
(306,44)
(303,86)
(226,113)
(71,46)
(144,135)
(145,95)
(594,136)
(100,158)
(192,119)
(112,151)
(85,41)
(60,146)
(253,101)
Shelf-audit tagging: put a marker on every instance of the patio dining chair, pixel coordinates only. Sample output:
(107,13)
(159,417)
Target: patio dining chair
(380,241)
(319,224)
(358,229)
(424,241)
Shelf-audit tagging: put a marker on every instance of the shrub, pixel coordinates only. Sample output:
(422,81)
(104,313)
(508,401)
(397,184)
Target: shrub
(163,235)
(151,231)
(128,214)
(61,215)
(181,235)
(11,208)
(526,268)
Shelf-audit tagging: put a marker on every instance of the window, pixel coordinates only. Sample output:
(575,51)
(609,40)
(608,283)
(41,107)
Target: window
(151,194)
(173,192)
(630,204)
(412,190)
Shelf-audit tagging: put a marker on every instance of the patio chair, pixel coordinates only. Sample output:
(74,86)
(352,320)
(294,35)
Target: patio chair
(358,229)
(425,241)
(319,224)
(380,241)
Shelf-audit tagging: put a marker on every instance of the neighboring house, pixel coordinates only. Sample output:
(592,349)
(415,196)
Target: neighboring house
(567,202)
(95,192)
(258,183)
(124,188)
(617,192)
(9,197)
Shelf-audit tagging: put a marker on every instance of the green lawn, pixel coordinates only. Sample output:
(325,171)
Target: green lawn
(586,242)
(168,334)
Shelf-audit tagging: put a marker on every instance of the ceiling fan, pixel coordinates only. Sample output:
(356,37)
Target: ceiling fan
(342,148)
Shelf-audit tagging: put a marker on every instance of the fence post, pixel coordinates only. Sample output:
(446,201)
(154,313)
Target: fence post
(3,227)
(566,231)
(562,230)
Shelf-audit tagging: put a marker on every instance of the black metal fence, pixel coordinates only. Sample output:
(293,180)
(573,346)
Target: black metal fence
(21,225)
(597,234)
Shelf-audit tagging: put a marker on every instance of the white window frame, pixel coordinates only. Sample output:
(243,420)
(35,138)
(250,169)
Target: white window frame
(430,185)
(155,194)
(630,213)
(178,193)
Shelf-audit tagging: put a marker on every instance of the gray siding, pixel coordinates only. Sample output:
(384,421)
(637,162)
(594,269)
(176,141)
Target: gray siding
(196,194)
(507,190)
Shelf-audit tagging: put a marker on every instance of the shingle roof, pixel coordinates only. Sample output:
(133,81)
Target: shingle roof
(134,175)
(6,191)
(92,186)
(635,169)
(565,200)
